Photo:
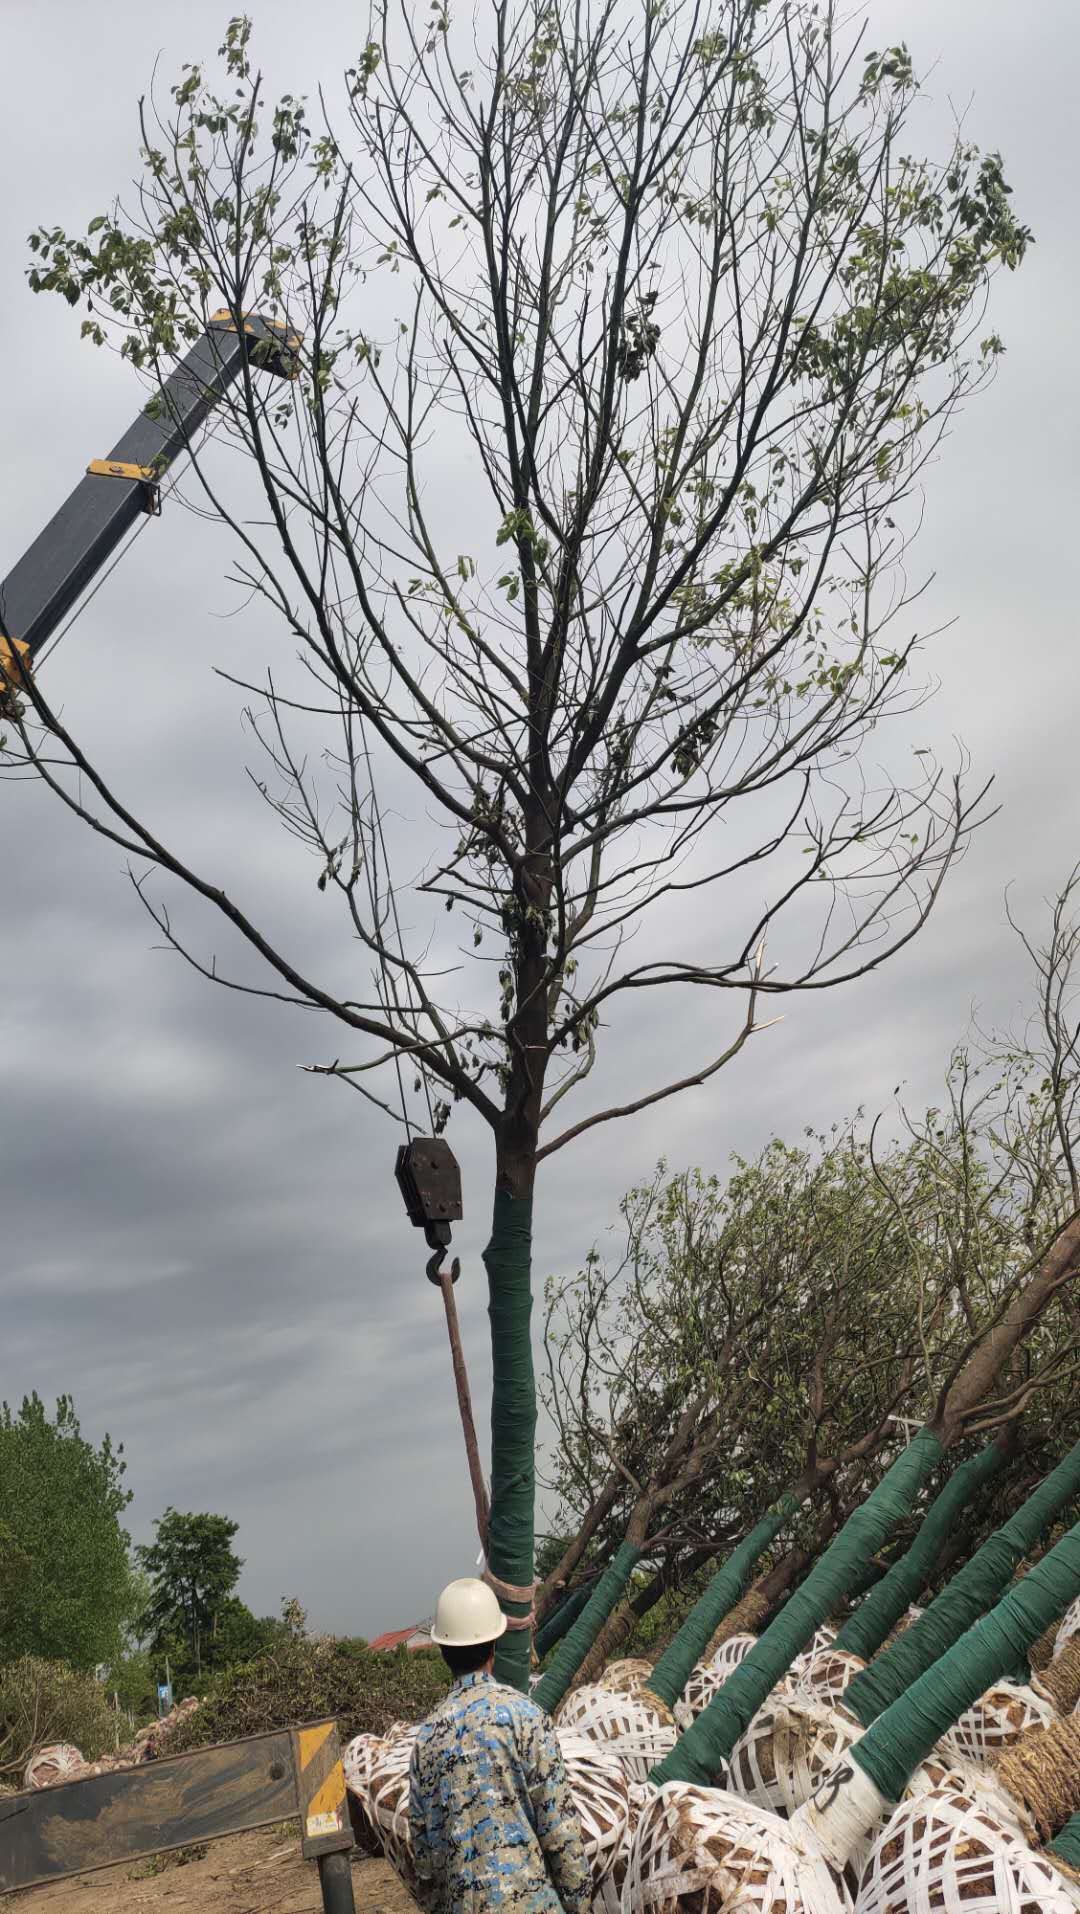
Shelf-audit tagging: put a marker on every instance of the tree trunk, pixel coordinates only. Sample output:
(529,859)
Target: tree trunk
(750,1612)
(672,1671)
(698,1755)
(575,1549)
(875,1619)
(977,1377)
(609,1643)
(557,1623)
(888,1754)
(508,1261)
(970,1593)
(571,1652)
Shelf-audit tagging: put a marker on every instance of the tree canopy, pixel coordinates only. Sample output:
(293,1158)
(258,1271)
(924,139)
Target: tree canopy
(669,294)
(65,1578)
(193,1569)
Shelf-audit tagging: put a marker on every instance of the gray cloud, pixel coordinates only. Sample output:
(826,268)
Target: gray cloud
(206,1246)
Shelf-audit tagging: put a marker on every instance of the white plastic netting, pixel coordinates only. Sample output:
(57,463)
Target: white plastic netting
(962,1848)
(822,1677)
(788,1749)
(731,1653)
(625,1677)
(705,1682)
(996,1721)
(1070,1626)
(49,1765)
(637,1733)
(703,1851)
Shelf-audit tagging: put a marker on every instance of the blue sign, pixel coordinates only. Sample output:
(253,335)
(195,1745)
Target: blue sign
(164,1695)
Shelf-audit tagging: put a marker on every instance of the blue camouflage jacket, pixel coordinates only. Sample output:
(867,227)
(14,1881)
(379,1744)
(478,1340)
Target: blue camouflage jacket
(493,1821)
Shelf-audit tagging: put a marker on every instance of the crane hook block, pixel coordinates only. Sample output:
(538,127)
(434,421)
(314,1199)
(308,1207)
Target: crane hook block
(429,1179)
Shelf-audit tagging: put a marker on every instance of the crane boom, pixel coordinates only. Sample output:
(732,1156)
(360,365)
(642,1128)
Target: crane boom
(55,570)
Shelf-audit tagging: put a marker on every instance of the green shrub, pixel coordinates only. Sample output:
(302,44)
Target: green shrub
(312,1680)
(46,1701)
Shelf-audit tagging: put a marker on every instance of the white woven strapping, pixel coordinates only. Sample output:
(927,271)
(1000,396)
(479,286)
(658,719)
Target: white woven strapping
(634,1731)
(1070,1626)
(821,1639)
(50,1765)
(705,1682)
(731,1653)
(997,1721)
(707,1678)
(702,1851)
(608,1896)
(788,1749)
(625,1677)
(961,1850)
(822,1677)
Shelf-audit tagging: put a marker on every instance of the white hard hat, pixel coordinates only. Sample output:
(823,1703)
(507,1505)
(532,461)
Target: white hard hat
(467,1613)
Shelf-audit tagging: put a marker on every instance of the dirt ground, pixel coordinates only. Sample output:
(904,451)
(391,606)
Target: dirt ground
(248,1874)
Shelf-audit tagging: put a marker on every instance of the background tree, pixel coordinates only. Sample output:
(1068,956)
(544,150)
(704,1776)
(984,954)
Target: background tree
(64,1570)
(793,1318)
(193,1570)
(691,319)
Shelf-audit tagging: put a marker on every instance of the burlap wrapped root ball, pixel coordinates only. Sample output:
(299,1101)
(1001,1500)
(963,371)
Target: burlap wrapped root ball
(704,1851)
(996,1722)
(58,1762)
(708,1677)
(637,1732)
(788,1749)
(962,1850)
(704,1682)
(821,1677)
(730,1653)
(625,1677)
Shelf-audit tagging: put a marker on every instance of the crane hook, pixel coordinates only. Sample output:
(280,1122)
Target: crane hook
(435,1274)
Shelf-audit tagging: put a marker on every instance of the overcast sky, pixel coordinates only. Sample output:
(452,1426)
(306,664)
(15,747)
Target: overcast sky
(201,1244)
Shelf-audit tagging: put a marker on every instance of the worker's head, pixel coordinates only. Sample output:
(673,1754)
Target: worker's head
(468,1623)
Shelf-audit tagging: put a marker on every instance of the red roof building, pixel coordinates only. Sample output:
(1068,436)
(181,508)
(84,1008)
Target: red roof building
(416,1636)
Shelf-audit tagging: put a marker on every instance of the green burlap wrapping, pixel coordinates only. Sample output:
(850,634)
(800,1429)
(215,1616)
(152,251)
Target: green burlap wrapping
(672,1671)
(1066,1843)
(864,1632)
(698,1753)
(557,1624)
(968,1595)
(572,1651)
(904,1733)
(507,1260)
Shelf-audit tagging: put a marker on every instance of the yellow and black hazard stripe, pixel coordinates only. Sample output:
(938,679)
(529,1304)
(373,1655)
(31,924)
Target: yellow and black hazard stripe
(320,1789)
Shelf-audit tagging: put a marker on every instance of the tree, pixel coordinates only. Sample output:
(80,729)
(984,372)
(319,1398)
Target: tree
(193,1569)
(64,1571)
(768,1332)
(689,321)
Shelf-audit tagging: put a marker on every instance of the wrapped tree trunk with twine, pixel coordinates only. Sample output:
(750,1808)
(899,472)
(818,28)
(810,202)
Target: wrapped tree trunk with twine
(972,1590)
(881,1610)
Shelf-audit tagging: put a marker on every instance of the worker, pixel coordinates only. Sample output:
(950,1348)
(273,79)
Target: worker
(493,1822)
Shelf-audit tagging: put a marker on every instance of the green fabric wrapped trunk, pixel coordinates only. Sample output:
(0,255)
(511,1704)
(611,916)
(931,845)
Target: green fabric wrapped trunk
(672,1671)
(1065,1845)
(698,1753)
(508,1261)
(572,1651)
(968,1595)
(864,1632)
(557,1624)
(904,1733)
